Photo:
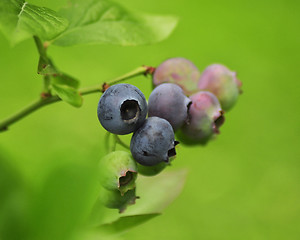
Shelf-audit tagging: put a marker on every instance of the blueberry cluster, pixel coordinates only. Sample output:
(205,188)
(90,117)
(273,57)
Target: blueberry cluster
(183,101)
(122,109)
(196,108)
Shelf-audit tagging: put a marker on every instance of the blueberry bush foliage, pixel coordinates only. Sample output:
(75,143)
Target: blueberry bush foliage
(114,196)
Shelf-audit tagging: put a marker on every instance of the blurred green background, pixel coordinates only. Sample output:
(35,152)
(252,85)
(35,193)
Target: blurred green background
(243,185)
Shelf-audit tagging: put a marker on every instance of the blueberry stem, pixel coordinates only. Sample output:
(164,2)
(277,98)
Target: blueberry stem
(107,144)
(120,142)
(114,145)
(42,49)
(46,99)
(99,88)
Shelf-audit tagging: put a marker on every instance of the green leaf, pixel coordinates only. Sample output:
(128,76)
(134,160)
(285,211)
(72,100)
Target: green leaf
(125,223)
(20,20)
(47,68)
(65,79)
(157,192)
(103,21)
(68,94)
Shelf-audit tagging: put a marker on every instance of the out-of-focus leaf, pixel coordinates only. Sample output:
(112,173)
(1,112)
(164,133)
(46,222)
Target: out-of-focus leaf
(124,224)
(64,201)
(65,79)
(20,20)
(157,192)
(103,21)
(68,94)
(13,200)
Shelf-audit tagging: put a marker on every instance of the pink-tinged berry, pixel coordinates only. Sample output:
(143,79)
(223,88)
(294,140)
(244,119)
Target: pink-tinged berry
(205,119)
(179,71)
(222,82)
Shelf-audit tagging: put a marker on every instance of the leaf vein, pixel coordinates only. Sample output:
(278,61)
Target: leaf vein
(39,15)
(22,9)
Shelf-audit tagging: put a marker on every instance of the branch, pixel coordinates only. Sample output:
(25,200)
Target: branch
(46,100)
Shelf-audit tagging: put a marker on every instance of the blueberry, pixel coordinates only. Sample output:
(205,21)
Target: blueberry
(222,82)
(113,199)
(169,102)
(122,109)
(118,171)
(153,142)
(151,170)
(179,71)
(206,117)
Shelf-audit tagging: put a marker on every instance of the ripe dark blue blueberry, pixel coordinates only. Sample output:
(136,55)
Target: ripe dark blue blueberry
(153,142)
(122,109)
(168,101)
(206,116)
(179,71)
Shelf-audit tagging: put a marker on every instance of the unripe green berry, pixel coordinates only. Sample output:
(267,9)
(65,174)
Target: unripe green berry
(118,171)
(113,199)
(151,170)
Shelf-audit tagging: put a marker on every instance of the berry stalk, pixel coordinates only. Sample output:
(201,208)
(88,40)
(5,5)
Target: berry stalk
(46,100)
